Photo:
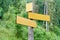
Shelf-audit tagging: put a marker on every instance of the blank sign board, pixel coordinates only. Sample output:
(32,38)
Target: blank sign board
(38,16)
(29,7)
(26,22)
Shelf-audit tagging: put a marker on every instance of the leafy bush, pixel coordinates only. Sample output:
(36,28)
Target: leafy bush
(41,34)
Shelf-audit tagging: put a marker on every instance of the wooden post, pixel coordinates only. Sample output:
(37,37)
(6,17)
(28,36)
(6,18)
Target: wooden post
(44,13)
(30,33)
(30,29)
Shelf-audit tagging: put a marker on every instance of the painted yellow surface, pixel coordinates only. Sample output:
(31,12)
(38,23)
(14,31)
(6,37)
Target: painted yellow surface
(38,16)
(29,7)
(26,22)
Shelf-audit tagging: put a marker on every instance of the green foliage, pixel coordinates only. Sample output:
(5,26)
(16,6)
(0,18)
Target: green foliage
(41,34)
(7,24)
(39,4)
(28,1)
(1,14)
(9,30)
(58,10)
(56,30)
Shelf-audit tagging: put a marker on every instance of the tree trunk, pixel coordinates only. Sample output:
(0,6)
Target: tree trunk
(46,7)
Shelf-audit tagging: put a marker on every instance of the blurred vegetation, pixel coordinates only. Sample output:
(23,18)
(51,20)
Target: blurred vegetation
(9,30)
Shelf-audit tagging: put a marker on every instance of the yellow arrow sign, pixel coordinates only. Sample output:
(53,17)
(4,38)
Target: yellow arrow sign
(26,22)
(38,16)
(29,7)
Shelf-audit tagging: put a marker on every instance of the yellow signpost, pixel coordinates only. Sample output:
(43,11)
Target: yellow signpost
(29,7)
(38,16)
(26,22)
(30,23)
